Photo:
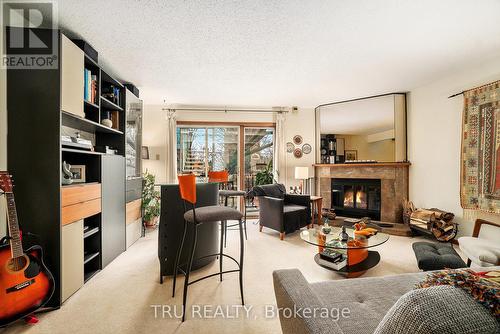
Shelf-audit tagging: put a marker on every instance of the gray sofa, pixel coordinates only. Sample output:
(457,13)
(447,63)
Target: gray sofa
(380,305)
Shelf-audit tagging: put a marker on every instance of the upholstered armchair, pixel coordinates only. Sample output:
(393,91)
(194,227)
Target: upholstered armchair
(280,211)
(483,248)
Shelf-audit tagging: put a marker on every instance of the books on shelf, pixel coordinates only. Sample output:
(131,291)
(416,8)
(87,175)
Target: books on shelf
(90,86)
(111,93)
(115,118)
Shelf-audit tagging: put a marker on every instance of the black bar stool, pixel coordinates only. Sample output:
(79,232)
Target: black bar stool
(226,194)
(204,215)
(222,177)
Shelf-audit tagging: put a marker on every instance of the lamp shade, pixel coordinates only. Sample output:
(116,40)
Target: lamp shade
(301,173)
(145,152)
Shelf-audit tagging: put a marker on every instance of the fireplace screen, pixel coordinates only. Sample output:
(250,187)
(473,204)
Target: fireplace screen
(356,197)
(349,197)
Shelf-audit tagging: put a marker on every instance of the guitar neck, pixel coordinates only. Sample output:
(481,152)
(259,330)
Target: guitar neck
(15,235)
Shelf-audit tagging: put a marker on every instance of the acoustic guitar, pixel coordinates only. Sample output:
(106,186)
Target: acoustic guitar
(25,282)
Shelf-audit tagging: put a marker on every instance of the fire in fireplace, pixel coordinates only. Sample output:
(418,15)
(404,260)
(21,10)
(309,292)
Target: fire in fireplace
(356,197)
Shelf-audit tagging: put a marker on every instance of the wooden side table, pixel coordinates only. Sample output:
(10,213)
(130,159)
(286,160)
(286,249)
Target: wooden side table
(316,203)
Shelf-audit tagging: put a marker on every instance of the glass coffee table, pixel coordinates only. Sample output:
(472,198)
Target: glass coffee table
(360,257)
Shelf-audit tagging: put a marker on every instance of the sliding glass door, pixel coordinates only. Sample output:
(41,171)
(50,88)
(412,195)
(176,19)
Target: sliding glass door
(240,149)
(201,149)
(222,152)
(258,158)
(191,148)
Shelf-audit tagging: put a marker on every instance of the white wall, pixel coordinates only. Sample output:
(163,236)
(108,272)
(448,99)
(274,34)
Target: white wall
(434,138)
(154,135)
(301,122)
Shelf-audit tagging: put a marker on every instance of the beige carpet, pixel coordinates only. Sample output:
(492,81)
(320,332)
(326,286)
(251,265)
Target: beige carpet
(119,299)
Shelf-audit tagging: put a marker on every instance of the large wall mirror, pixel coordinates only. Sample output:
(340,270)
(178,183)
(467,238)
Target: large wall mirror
(364,130)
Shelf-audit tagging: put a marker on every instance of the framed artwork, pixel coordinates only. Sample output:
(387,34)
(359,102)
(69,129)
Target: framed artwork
(351,154)
(306,148)
(297,140)
(78,172)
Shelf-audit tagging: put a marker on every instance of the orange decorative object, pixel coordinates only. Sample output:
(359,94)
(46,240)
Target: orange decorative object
(187,187)
(360,229)
(321,241)
(218,176)
(364,233)
(357,255)
(359,226)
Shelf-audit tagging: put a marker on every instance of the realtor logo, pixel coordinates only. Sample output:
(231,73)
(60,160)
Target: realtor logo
(31,35)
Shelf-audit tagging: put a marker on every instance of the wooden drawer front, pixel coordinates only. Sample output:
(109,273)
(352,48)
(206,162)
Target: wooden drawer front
(72,213)
(133,211)
(79,193)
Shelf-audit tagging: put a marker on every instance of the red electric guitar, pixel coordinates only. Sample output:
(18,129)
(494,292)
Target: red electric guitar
(25,282)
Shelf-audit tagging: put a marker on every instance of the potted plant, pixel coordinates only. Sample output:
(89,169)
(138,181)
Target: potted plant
(264,176)
(150,200)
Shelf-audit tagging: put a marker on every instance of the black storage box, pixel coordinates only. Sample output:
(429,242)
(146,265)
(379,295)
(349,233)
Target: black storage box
(132,89)
(87,48)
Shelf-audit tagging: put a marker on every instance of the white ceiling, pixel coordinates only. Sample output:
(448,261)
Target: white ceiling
(363,117)
(274,52)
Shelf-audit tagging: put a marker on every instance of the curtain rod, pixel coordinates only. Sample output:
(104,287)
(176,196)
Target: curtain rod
(226,110)
(479,87)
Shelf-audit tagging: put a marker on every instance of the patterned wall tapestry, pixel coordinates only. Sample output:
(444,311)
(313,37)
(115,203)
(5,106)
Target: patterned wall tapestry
(480,178)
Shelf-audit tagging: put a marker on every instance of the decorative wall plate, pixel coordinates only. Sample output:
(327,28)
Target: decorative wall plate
(289,147)
(306,148)
(297,153)
(297,140)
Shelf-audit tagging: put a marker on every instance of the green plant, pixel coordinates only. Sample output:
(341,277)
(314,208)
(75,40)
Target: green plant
(150,198)
(265,176)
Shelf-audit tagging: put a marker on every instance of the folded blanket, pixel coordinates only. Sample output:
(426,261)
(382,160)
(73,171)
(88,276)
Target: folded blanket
(484,291)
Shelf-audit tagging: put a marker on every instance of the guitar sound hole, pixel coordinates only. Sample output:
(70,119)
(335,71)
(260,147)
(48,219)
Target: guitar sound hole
(17,263)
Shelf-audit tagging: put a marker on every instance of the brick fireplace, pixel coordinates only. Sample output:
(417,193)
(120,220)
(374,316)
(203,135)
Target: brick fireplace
(376,190)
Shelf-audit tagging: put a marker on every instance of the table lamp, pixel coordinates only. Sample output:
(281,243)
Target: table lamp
(301,173)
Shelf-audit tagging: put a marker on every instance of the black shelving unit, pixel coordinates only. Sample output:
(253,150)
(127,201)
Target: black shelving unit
(36,120)
(72,150)
(91,105)
(90,232)
(108,105)
(92,245)
(328,150)
(89,257)
(88,275)
(84,124)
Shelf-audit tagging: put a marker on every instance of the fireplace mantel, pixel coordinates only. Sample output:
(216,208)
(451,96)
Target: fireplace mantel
(375,164)
(393,177)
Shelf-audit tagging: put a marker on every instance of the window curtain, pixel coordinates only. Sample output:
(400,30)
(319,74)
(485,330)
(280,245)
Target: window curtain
(171,147)
(279,149)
